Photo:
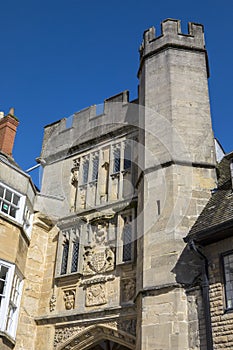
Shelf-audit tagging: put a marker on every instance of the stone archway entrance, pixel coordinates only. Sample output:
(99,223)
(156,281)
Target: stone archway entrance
(108,345)
(99,337)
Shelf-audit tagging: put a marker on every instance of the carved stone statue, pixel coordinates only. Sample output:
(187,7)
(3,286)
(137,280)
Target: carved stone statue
(128,289)
(100,232)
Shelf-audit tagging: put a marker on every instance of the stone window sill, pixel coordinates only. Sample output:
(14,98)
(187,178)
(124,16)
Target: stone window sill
(7,339)
(228,311)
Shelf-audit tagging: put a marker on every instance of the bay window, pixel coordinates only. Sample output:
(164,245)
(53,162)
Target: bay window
(13,205)
(10,294)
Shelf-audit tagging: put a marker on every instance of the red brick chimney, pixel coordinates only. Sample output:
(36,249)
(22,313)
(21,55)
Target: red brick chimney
(8,127)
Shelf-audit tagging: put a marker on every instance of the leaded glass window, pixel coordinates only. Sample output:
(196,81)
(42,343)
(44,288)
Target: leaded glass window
(74,265)
(85,171)
(116,159)
(68,251)
(228,276)
(95,167)
(127,239)
(65,255)
(127,156)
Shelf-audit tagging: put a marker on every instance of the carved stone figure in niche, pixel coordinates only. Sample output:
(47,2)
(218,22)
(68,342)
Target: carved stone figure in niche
(82,199)
(74,178)
(98,259)
(52,303)
(103,178)
(100,232)
(128,289)
(96,295)
(74,183)
(69,298)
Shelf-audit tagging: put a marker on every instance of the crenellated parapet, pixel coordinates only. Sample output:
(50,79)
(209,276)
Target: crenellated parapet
(172,37)
(96,121)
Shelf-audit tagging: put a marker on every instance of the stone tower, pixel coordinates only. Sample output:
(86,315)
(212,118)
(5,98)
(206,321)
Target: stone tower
(177,172)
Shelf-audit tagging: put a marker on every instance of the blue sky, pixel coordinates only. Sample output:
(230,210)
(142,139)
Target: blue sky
(58,57)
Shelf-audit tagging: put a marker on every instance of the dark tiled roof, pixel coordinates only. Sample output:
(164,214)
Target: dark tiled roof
(219,209)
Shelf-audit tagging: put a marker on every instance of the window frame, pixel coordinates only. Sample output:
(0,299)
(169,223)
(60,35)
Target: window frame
(88,183)
(70,234)
(20,206)
(223,255)
(24,212)
(120,236)
(12,274)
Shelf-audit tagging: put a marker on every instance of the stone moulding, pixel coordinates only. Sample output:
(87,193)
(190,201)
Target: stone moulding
(99,279)
(98,315)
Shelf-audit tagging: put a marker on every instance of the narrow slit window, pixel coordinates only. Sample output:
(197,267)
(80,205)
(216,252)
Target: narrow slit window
(85,171)
(74,265)
(65,255)
(95,168)
(127,239)
(116,159)
(127,156)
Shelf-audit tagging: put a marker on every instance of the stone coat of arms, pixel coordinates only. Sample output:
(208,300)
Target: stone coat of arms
(98,260)
(98,257)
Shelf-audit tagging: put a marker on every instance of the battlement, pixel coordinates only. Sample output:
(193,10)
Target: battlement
(88,124)
(172,37)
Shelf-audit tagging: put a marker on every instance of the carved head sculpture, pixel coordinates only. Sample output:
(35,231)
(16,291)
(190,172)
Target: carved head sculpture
(69,298)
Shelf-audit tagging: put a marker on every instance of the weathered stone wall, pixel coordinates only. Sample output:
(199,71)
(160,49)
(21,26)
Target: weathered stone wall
(222,321)
(164,319)
(34,274)
(196,326)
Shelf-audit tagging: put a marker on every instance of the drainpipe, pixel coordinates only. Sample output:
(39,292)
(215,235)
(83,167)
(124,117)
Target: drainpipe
(205,294)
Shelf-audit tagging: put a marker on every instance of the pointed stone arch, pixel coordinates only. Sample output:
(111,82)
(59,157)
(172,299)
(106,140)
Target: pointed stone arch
(93,335)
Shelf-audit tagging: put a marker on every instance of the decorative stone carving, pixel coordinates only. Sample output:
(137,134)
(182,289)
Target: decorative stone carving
(74,182)
(96,295)
(98,259)
(69,298)
(100,232)
(128,289)
(74,177)
(52,303)
(99,279)
(64,333)
(128,326)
